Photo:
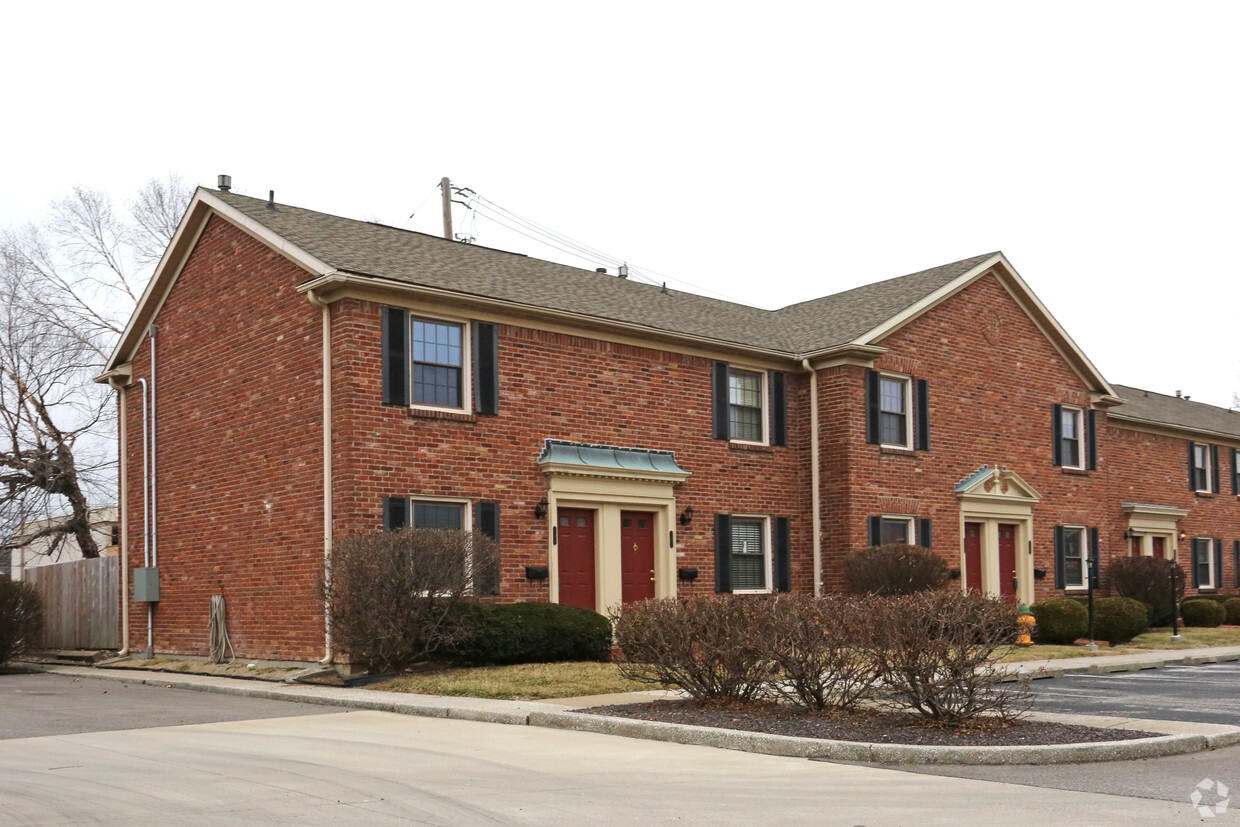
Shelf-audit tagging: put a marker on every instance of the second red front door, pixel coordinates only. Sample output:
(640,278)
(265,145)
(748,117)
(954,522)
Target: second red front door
(636,556)
(575,542)
(1007,561)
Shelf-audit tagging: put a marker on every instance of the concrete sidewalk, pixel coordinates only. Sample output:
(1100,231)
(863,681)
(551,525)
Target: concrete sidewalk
(1177,738)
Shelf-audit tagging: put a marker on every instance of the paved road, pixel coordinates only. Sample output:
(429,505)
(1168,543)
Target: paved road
(383,768)
(36,703)
(1207,694)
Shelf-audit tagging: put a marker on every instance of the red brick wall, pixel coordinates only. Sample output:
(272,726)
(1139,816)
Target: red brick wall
(555,386)
(239,454)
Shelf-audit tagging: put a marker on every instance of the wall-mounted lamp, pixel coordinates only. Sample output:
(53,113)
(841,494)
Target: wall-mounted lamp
(686,516)
(540,508)
(1129,534)
(1183,536)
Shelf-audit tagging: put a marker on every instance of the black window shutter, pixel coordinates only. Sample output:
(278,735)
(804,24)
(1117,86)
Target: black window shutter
(1235,474)
(875,526)
(395,513)
(1235,563)
(395,345)
(779,409)
(719,400)
(1091,424)
(871,406)
(923,415)
(1057,434)
(783,555)
(1195,557)
(923,533)
(486,368)
(1192,468)
(1095,555)
(1059,574)
(1218,562)
(723,553)
(486,522)
(1214,481)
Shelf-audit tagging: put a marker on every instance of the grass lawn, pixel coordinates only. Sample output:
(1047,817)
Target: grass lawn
(522,682)
(1193,637)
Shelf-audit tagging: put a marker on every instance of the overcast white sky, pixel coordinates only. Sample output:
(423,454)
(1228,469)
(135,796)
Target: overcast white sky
(770,152)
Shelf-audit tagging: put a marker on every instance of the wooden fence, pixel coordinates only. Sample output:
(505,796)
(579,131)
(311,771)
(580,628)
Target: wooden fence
(81,603)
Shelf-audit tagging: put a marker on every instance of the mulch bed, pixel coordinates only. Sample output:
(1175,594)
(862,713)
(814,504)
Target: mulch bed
(864,725)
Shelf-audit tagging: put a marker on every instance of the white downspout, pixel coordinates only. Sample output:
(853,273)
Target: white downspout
(146,508)
(154,456)
(813,458)
(329,656)
(123,513)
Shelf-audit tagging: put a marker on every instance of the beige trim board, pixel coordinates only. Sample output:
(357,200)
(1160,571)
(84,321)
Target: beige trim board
(1170,429)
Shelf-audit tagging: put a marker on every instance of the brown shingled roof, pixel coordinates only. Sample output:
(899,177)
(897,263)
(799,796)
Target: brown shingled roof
(1160,409)
(380,251)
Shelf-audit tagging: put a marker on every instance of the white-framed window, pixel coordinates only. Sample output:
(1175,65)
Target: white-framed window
(751,554)
(1071,442)
(746,405)
(438,363)
(1202,468)
(1203,563)
(896,529)
(895,403)
(449,515)
(1075,557)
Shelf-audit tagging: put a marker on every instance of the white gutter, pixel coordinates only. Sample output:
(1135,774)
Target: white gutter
(813,458)
(327,472)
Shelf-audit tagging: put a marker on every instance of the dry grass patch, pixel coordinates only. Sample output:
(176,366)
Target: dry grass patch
(1153,640)
(523,682)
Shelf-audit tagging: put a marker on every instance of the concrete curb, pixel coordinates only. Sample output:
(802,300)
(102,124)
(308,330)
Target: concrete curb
(823,750)
(533,713)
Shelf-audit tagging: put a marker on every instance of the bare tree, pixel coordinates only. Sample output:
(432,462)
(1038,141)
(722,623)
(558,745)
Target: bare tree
(67,286)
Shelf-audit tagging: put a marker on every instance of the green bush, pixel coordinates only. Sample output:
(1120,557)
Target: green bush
(1213,598)
(893,569)
(1061,620)
(1232,607)
(1119,619)
(1199,612)
(21,620)
(531,633)
(1147,579)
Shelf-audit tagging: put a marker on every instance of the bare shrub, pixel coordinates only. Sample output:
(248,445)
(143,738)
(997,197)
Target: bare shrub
(391,596)
(893,569)
(935,652)
(1148,579)
(813,641)
(714,648)
(21,620)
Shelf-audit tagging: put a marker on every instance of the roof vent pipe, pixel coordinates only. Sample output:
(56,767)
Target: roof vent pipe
(224,182)
(271,200)
(1177,395)
(600,269)
(624,270)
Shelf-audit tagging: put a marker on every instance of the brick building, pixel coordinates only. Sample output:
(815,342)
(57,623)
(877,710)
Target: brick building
(300,377)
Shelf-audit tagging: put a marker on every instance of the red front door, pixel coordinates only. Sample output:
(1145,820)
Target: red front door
(1136,547)
(973,556)
(636,556)
(1007,561)
(575,542)
(1158,548)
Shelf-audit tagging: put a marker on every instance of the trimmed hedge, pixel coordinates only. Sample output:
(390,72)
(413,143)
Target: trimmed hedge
(894,569)
(1232,607)
(531,633)
(1061,620)
(1198,612)
(1119,619)
(21,620)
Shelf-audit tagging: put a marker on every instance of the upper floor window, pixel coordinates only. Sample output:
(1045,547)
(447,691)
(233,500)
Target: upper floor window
(893,407)
(438,364)
(1070,437)
(745,405)
(897,411)
(1203,467)
(749,405)
(1074,432)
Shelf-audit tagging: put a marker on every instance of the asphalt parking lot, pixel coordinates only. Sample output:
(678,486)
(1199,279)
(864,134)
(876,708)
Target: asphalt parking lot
(37,703)
(1209,693)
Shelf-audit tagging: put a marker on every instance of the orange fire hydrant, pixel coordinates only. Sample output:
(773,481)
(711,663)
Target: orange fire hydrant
(1025,623)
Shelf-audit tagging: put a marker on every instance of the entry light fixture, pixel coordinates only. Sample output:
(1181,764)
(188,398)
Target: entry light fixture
(686,516)
(1129,534)
(1183,536)
(540,508)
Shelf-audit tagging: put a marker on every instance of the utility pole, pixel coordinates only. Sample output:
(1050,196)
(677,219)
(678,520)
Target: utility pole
(446,186)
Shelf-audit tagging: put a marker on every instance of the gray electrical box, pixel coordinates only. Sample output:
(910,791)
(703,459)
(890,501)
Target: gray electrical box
(146,585)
